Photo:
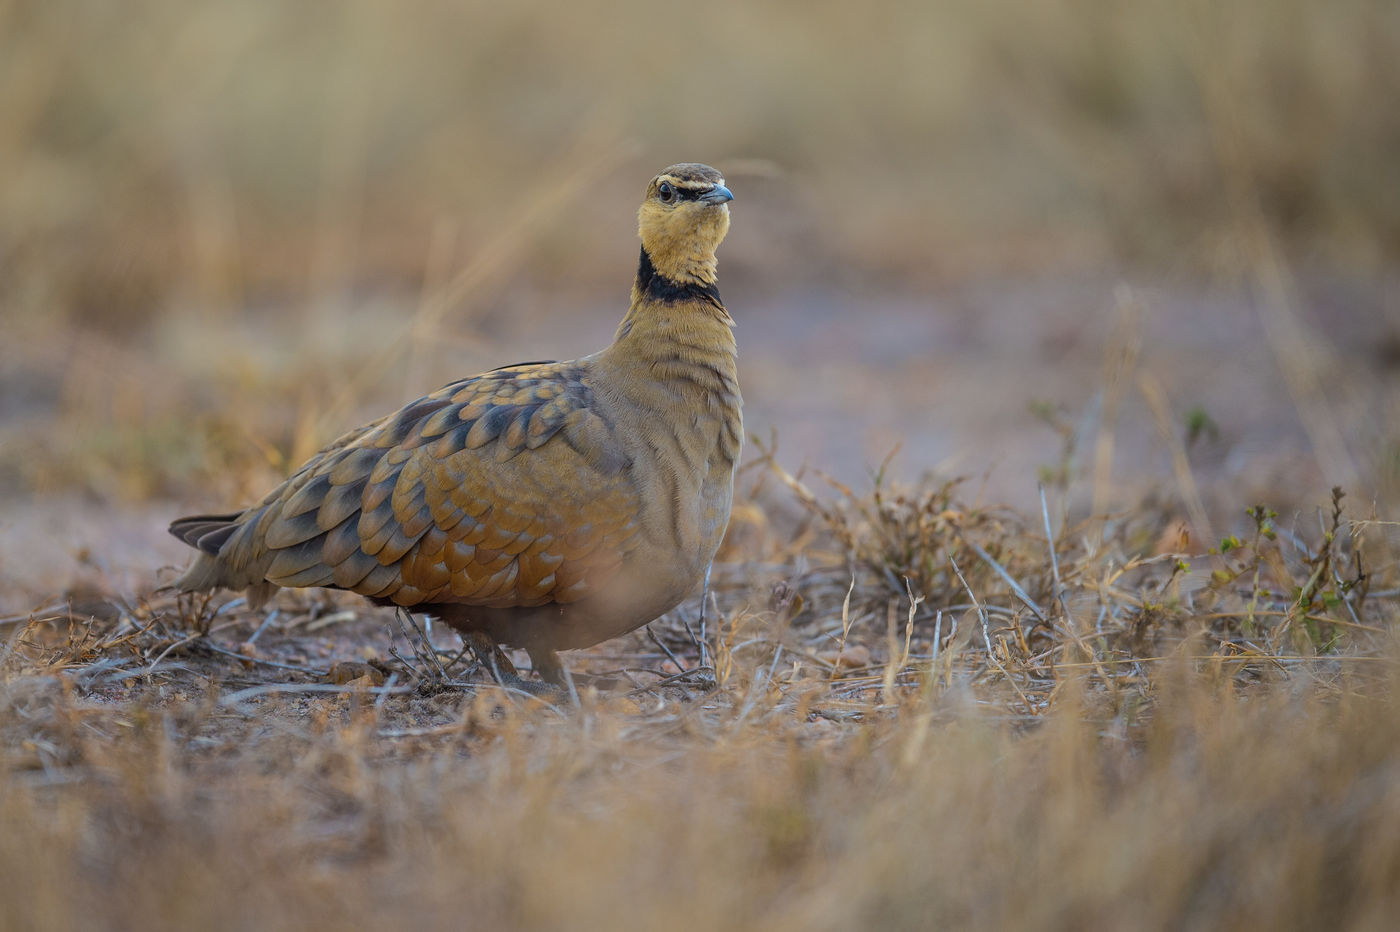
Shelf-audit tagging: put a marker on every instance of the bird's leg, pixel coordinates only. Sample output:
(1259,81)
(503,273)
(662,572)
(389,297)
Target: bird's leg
(503,671)
(548,665)
(490,655)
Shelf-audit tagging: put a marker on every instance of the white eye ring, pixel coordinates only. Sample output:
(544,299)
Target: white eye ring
(667,192)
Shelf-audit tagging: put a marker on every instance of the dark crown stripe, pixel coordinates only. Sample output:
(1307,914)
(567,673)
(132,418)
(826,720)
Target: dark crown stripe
(657,287)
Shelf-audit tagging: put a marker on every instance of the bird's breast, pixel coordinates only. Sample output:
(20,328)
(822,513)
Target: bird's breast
(671,384)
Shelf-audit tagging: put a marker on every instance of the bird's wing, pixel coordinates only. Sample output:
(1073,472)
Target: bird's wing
(506,489)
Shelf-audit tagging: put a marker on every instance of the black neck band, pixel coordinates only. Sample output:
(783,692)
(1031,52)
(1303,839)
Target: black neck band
(657,287)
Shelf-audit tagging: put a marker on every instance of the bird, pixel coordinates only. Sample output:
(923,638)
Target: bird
(546,506)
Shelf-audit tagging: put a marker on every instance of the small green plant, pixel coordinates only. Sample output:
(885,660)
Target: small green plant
(1200,424)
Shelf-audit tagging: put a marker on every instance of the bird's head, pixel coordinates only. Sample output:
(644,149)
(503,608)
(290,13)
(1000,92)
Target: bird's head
(682,221)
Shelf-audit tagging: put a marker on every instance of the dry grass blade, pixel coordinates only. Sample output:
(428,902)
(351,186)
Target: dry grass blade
(1016,587)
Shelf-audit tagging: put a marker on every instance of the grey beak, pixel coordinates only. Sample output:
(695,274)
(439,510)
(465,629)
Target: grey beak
(717,195)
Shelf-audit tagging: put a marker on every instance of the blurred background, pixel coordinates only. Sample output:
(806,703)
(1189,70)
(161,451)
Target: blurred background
(1116,246)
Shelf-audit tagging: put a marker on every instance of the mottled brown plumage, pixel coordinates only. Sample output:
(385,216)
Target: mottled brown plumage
(545,505)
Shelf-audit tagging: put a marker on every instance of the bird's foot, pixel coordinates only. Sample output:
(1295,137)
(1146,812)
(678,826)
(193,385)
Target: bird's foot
(495,661)
(549,667)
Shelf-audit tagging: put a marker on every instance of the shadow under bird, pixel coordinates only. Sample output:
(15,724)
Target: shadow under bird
(547,506)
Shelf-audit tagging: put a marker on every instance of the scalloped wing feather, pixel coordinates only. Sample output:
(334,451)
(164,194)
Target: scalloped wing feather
(436,504)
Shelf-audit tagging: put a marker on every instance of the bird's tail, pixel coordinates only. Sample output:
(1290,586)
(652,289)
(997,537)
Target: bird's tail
(207,534)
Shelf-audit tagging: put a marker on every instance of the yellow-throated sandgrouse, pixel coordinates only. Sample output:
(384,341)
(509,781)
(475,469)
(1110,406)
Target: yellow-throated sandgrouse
(546,505)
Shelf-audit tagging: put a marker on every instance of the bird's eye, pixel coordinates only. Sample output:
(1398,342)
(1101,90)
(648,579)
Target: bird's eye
(668,193)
